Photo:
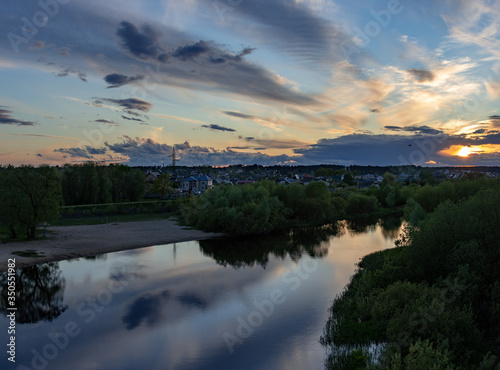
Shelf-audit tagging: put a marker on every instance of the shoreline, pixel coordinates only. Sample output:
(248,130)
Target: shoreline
(67,242)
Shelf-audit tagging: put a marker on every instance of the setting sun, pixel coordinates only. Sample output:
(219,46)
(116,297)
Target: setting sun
(465,151)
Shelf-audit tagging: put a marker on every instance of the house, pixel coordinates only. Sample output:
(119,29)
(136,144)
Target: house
(151,176)
(197,183)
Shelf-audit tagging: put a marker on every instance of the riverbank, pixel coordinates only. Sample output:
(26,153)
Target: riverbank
(65,242)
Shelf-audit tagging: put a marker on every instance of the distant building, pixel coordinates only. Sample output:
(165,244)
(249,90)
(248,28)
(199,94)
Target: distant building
(197,183)
(151,176)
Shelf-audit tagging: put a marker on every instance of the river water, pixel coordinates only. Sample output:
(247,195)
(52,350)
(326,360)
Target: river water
(248,303)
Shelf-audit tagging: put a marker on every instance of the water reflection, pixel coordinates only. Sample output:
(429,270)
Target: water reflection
(251,251)
(153,308)
(390,225)
(311,241)
(39,293)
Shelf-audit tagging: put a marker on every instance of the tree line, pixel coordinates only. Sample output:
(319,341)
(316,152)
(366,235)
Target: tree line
(30,196)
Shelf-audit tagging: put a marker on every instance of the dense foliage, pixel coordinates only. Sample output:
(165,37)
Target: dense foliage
(261,207)
(28,197)
(434,301)
(91,183)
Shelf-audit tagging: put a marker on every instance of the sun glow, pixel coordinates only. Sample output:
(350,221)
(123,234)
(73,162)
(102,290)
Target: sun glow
(465,151)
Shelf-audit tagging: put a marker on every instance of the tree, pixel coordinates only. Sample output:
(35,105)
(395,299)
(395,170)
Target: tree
(30,196)
(161,185)
(349,180)
(134,184)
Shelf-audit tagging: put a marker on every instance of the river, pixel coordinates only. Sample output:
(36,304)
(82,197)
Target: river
(247,303)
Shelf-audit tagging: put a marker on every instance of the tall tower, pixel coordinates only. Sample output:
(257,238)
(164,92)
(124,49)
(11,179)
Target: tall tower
(174,174)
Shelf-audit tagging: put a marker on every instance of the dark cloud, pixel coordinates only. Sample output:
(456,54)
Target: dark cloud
(237,75)
(238,115)
(416,129)
(375,110)
(133,119)
(142,43)
(378,150)
(225,58)
(117,80)
(421,75)
(189,52)
(127,104)
(480,131)
(7,119)
(103,121)
(92,150)
(75,152)
(218,127)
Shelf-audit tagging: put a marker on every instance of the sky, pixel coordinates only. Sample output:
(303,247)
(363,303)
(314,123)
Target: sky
(250,81)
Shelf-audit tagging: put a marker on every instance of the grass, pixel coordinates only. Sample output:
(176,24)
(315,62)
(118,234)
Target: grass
(28,253)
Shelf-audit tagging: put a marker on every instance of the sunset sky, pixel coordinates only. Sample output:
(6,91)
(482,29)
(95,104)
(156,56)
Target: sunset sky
(250,81)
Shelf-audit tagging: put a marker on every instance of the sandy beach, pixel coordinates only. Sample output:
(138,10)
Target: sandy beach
(65,242)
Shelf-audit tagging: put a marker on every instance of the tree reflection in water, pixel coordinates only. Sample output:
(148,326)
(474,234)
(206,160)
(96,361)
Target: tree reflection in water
(250,251)
(389,225)
(39,293)
(313,241)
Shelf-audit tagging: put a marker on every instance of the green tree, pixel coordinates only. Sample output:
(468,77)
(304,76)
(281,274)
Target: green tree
(134,184)
(32,195)
(349,180)
(162,185)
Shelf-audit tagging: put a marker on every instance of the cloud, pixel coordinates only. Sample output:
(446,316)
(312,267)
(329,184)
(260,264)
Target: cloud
(421,75)
(75,152)
(189,52)
(66,71)
(495,121)
(416,129)
(103,121)
(147,151)
(294,27)
(142,43)
(117,80)
(133,119)
(96,151)
(239,115)
(129,104)
(217,127)
(277,143)
(37,46)
(7,119)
